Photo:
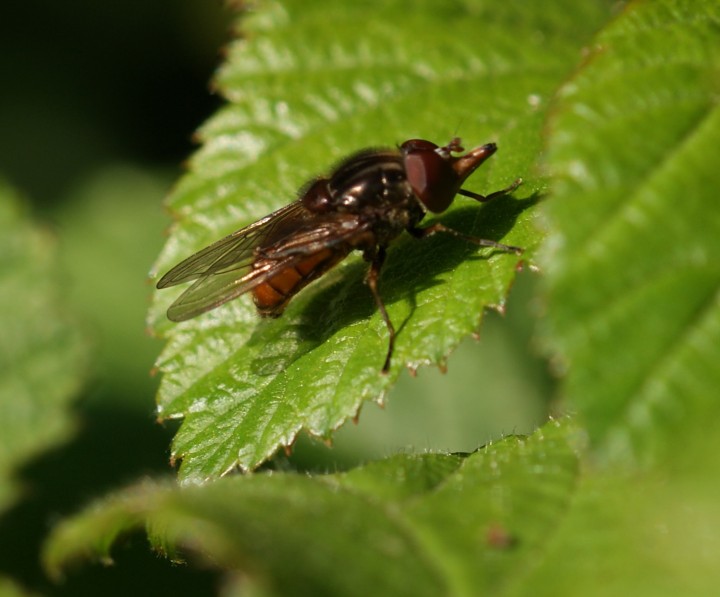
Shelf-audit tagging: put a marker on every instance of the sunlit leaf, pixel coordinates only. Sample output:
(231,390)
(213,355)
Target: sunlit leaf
(309,83)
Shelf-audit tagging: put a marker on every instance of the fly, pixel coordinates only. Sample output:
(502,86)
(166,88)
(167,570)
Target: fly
(363,204)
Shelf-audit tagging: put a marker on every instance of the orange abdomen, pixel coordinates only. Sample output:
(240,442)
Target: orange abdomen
(272,296)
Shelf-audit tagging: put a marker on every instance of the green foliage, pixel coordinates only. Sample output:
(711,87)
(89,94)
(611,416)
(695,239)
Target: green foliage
(41,353)
(110,225)
(245,387)
(437,524)
(612,120)
(632,267)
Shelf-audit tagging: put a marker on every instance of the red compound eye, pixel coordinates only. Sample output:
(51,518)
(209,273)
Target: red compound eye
(435,175)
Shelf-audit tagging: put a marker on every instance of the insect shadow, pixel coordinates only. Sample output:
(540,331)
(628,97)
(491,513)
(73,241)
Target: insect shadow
(343,298)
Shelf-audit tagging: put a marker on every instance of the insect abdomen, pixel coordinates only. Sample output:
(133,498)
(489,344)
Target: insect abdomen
(272,296)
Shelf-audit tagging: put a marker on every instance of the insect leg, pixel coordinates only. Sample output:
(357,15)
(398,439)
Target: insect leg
(491,196)
(438,227)
(378,258)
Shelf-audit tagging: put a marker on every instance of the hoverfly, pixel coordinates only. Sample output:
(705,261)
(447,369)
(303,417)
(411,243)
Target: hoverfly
(363,204)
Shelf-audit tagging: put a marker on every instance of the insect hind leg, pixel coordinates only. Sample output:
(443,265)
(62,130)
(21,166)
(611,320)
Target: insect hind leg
(376,262)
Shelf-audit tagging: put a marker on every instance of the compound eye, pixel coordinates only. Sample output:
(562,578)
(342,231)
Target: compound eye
(430,175)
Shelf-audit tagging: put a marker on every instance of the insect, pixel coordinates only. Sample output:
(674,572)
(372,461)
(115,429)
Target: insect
(363,204)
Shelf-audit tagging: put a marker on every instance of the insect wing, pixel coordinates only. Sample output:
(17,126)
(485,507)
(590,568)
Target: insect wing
(238,269)
(236,251)
(212,290)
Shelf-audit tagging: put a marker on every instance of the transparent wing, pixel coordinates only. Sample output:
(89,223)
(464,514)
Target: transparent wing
(236,251)
(212,290)
(236,267)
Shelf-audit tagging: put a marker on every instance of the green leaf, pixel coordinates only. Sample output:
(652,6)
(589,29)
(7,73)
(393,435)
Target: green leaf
(41,353)
(634,534)
(410,525)
(9,588)
(633,270)
(518,517)
(308,84)
(110,226)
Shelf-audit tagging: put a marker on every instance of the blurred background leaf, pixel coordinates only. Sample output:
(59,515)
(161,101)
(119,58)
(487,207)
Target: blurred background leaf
(109,224)
(631,285)
(98,106)
(431,524)
(632,266)
(42,355)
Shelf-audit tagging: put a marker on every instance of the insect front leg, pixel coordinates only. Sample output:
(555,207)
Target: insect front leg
(483,242)
(377,258)
(491,196)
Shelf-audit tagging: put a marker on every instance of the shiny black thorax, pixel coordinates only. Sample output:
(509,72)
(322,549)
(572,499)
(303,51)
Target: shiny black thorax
(373,185)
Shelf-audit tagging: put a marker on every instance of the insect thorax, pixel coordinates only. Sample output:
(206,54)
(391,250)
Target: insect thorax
(369,179)
(373,183)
